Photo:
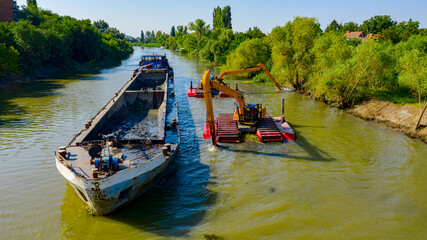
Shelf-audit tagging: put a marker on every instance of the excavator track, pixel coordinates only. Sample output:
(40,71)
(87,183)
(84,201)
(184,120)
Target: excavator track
(267,130)
(227,130)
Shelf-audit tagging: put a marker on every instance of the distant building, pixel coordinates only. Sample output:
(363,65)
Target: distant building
(355,35)
(7,10)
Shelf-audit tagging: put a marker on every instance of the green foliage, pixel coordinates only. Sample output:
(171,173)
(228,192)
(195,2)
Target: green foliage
(226,16)
(142,36)
(6,34)
(333,26)
(32,3)
(377,24)
(199,27)
(181,30)
(206,53)
(101,25)
(150,45)
(254,33)
(345,73)
(400,32)
(217,18)
(45,39)
(291,45)
(160,38)
(350,26)
(8,59)
(332,52)
(222,18)
(173,31)
(216,48)
(413,65)
(249,53)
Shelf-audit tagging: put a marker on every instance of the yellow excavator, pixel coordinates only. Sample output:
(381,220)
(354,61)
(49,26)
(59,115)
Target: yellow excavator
(247,114)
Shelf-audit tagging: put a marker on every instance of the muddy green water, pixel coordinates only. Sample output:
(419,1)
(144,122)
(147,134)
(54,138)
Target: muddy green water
(343,178)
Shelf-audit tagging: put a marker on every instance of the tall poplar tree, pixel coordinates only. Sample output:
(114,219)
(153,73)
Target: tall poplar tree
(222,17)
(226,17)
(31,3)
(173,31)
(142,36)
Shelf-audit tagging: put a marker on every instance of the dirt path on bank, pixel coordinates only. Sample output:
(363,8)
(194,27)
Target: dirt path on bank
(403,118)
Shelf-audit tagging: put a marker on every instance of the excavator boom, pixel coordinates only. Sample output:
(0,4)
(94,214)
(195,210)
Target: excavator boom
(258,67)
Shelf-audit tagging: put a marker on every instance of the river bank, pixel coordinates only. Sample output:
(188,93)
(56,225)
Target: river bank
(403,118)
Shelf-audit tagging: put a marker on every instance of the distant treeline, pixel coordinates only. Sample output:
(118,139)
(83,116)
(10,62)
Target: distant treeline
(388,61)
(41,39)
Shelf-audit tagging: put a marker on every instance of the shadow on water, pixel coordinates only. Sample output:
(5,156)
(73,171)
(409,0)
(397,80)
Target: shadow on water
(315,154)
(179,201)
(33,90)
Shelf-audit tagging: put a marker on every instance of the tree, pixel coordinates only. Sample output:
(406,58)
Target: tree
(333,26)
(101,25)
(199,27)
(255,33)
(148,36)
(400,32)
(332,52)
(173,31)
(142,36)
(414,74)
(249,53)
(160,37)
(377,24)
(291,44)
(217,18)
(226,16)
(30,43)
(115,32)
(222,18)
(8,59)
(180,30)
(413,68)
(32,3)
(350,26)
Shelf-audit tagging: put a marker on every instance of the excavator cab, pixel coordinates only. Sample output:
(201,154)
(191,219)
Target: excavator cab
(252,113)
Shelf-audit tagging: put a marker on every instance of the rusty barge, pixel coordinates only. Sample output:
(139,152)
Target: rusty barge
(129,143)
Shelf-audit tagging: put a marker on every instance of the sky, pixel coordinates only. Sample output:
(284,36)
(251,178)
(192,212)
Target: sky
(132,16)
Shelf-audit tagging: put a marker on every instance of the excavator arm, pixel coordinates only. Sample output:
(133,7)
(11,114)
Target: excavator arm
(258,67)
(208,84)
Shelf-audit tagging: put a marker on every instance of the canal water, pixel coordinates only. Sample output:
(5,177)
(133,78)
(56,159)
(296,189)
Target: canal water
(343,178)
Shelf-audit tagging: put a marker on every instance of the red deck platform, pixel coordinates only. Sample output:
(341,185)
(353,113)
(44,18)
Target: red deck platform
(267,130)
(227,130)
(191,92)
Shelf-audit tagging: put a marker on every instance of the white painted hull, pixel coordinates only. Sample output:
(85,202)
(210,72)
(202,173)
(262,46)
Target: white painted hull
(108,194)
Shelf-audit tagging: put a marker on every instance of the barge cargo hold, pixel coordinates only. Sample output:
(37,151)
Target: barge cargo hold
(127,146)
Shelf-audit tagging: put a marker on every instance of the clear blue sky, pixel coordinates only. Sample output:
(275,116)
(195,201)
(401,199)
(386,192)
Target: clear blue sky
(132,16)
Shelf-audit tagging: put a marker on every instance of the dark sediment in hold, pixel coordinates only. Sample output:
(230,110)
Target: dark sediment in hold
(140,127)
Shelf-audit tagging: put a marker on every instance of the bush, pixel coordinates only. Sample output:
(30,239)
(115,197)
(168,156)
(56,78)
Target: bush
(249,53)
(8,59)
